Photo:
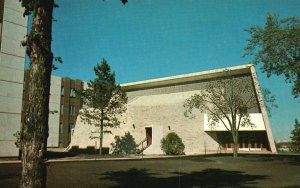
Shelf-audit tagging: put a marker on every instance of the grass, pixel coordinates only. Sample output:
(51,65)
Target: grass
(199,171)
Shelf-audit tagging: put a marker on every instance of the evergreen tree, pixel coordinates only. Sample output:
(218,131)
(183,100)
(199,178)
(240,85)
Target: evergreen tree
(295,137)
(104,101)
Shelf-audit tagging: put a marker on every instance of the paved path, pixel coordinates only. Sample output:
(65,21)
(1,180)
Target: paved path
(96,158)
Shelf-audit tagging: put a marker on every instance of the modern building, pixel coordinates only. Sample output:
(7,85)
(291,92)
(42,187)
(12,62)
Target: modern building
(70,103)
(13,29)
(155,108)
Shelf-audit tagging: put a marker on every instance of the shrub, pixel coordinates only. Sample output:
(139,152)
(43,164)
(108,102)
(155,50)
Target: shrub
(124,145)
(172,144)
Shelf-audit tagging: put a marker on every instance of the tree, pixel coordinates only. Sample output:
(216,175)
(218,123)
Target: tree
(269,99)
(124,145)
(103,100)
(34,131)
(172,144)
(277,47)
(227,101)
(295,137)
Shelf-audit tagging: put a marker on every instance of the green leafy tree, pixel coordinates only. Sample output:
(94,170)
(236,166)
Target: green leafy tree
(124,145)
(172,144)
(269,99)
(104,101)
(295,137)
(35,128)
(225,101)
(277,47)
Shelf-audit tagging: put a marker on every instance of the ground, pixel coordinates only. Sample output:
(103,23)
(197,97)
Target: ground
(192,171)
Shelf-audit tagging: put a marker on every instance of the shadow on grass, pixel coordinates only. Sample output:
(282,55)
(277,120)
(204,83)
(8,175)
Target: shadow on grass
(210,177)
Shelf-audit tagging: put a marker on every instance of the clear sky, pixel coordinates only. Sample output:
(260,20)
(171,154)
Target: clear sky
(148,39)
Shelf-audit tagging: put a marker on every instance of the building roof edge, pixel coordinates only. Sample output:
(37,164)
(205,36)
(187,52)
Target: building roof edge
(191,77)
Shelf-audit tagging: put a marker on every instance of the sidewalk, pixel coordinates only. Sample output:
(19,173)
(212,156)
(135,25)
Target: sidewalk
(97,158)
(83,157)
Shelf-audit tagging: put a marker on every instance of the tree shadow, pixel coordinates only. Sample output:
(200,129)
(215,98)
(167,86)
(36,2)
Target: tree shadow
(210,177)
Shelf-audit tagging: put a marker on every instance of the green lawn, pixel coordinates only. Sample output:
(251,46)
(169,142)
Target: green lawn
(210,171)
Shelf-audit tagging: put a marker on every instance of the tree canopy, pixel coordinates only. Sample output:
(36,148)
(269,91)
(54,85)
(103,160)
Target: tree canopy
(277,47)
(269,99)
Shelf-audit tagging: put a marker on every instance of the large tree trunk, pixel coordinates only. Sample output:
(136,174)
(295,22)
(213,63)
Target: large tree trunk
(34,132)
(235,144)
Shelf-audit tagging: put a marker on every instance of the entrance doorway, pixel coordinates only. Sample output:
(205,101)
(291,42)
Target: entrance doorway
(149,135)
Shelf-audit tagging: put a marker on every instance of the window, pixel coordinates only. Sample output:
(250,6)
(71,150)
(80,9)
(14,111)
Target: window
(62,91)
(72,110)
(71,129)
(72,92)
(61,109)
(60,128)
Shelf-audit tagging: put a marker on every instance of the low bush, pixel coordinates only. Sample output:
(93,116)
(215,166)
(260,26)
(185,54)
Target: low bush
(124,145)
(172,144)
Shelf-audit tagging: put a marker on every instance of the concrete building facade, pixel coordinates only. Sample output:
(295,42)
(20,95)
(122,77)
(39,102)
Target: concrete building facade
(155,108)
(13,28)
(54,115)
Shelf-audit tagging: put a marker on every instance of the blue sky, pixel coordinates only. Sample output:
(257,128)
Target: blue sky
(148,39)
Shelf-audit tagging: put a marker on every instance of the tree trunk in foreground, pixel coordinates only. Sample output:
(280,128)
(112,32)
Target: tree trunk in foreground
(35,125)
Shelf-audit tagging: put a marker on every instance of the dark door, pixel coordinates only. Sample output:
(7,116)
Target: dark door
(149,135)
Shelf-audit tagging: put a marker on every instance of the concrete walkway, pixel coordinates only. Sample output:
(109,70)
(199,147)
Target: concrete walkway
(72,159)
(133,157)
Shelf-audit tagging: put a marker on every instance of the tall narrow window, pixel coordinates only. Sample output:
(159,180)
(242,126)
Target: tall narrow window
(62,91)
(72,110)
(72,92)
(71,128)
(60,128)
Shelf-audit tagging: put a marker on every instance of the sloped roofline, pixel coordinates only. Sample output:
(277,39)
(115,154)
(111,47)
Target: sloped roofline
(185,78)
